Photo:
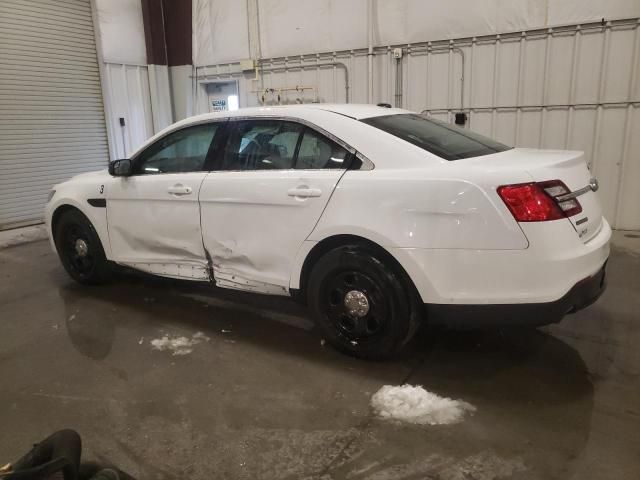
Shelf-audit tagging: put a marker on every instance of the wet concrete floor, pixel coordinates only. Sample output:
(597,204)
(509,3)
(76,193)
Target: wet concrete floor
(264,399)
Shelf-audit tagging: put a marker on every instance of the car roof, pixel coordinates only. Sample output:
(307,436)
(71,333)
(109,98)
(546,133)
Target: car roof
(357,111)
(351,110)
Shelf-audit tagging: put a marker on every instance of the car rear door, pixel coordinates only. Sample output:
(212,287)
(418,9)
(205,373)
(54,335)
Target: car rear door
(153,215)
(271,183)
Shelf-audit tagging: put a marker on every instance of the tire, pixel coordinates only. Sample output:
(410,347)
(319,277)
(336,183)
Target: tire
(362,307)
(80,249)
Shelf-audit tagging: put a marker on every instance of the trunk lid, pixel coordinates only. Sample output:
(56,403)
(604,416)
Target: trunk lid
(569,167)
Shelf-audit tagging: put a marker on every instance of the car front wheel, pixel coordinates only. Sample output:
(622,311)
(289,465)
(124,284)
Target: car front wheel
(79,248)
(361,306)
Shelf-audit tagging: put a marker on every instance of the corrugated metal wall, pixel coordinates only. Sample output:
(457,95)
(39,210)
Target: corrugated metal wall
(52,122)
(569,87)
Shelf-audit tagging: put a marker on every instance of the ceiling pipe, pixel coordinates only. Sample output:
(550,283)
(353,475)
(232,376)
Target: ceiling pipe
(370,51)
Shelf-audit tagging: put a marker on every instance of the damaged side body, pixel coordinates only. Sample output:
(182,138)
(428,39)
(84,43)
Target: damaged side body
(233,234)
(154,231)
(254,222)
(228,278)
(239,273)
(239,225)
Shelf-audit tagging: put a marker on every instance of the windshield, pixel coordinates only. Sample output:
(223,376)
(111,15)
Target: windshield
(447,141)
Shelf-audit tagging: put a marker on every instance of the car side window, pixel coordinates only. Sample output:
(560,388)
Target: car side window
(261,145)
(179,152)
(318,152)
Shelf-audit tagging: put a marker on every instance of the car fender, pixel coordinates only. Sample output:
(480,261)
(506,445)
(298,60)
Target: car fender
(77,195)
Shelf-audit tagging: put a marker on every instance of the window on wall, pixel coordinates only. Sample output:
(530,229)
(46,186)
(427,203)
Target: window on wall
(181,151)
(261,145)
(318,152)
(232,102)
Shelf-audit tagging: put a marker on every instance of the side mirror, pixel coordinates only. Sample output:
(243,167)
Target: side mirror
(120,168)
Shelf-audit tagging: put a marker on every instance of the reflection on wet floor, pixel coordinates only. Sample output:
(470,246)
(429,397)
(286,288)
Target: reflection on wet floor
(263,398)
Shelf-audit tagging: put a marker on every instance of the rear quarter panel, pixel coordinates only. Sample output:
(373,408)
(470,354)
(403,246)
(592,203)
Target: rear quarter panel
(432,207)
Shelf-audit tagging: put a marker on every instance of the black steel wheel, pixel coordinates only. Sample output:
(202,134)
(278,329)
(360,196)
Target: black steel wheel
(79,248)
(361,306)
(355,304)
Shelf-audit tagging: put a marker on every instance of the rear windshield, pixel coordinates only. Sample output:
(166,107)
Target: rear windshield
(447,141)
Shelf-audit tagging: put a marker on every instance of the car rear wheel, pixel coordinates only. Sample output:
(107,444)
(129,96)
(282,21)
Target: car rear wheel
(79,248)
(362,307)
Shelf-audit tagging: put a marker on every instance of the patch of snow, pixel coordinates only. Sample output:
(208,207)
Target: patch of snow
(178,345)
(414,404)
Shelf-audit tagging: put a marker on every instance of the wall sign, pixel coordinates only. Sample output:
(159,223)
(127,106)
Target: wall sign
(219,105)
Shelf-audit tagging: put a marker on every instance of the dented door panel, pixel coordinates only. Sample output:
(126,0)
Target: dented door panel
(253,223)
(154,225)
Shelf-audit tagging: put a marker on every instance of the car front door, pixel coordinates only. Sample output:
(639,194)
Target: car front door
(153,215)
(271,181)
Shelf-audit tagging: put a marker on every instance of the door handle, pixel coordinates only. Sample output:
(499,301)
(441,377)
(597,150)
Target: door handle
(304,192)
(179,189)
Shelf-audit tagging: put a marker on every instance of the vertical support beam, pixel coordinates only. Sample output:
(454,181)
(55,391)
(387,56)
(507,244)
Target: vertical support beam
(407,83)
(126,134)
(370,51)
(471,102)
(253,19)
(449,83)
(178,18)
(521,66)
(159,86)
(604,60)
(428,76)
(335,81)
(545,87)
(572,86)
(389,76)
(628,120)
(167,31)
(106,94)
(496,85)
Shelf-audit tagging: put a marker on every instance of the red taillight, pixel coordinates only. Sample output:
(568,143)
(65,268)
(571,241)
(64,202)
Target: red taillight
(536,202)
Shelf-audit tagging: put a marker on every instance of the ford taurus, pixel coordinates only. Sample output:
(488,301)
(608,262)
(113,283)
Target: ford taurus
(377,218)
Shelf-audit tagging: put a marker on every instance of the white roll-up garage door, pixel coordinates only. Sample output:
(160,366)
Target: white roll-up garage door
(52,123)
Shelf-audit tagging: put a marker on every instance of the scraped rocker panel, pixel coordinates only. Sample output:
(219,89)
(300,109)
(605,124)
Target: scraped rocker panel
(172,270)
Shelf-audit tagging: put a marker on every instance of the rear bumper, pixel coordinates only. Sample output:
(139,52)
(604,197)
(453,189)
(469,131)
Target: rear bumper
(554,262)
(583,294)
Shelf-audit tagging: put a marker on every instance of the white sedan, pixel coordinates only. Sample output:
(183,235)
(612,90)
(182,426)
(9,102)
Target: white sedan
(377,218)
